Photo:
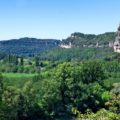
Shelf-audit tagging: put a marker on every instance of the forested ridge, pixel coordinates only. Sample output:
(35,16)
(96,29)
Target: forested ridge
(79,39)
(27,46)
(33,47)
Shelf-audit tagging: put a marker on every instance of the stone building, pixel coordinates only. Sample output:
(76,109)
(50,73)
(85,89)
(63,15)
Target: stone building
(117,41)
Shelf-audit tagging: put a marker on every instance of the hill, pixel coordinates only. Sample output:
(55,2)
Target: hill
(81,40)
(49,48)
(27,46)
(83,46)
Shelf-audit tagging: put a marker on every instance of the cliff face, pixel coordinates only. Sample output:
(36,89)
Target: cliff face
(90,40)
(27,46)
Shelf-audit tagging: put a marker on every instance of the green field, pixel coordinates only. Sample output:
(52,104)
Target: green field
(18,75)
(17,79)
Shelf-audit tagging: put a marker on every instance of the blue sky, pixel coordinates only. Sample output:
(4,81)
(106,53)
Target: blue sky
(57,18)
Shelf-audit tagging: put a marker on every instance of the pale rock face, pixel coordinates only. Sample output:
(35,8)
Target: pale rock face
(117,41)
(111,44)
(66,46)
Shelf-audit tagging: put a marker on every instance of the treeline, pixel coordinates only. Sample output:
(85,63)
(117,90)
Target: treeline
(78,54)
(77,90)
(15,64)
(27,47)
(30,47)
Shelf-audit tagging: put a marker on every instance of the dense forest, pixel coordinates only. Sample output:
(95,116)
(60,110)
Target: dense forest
(27,46)
(61,89)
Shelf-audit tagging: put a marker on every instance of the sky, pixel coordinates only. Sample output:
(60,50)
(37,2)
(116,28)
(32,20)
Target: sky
(57,18)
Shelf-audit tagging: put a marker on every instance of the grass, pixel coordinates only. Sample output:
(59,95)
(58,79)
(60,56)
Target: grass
(17,75)
(17,79)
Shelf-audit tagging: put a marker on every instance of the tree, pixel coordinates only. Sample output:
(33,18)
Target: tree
(1,101)
(36,61)
(80,86)
(1,87)
(92,72)
(21,61)
(16,60)
(67,77)
(21,104)
(90,87)
(62,76)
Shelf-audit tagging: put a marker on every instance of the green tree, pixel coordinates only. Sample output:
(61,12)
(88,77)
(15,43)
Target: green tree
(1,87)
(36,61)
(1,101)
(21,104)
(92,71)
(21,61)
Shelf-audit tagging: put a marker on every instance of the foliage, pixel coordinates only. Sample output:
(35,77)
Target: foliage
(27,46)
(61,91)
(91,72)
(100,115)
(80,39)
(76,54)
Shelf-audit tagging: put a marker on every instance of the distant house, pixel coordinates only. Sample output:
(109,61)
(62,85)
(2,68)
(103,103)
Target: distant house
(117,41)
